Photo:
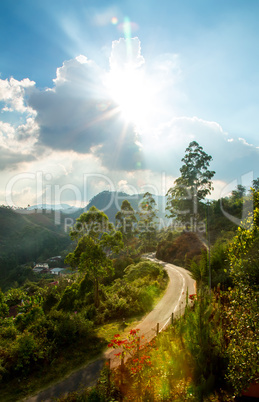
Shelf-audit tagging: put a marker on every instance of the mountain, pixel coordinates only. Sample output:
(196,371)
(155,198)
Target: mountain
(36,233)
(110,203)
(29,236)
(65,208)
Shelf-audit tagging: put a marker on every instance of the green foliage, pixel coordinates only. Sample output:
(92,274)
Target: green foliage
(144,268)
(242,336)
(243,250)
(199,270)
(241,307)
(220,271)
(194,184)
(126,220)
(120,264)
(204,342)
(68,298)
(135,293)
(96,239)
(147,224)
(182,250)
(25,238)
(3,306)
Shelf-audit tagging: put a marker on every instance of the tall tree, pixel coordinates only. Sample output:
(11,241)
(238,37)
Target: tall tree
(148,220)
(239,192)
(191,187)
(126,220)
(241,316)
(96,240)
(256,184)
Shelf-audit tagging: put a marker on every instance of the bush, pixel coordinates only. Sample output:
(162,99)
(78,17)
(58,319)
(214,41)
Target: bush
(143,269)
(182,250)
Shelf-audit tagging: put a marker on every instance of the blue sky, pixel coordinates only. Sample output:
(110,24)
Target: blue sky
(134,83)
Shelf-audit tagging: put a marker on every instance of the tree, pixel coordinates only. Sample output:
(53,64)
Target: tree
(97,239)
(148,219)
(241,315)
(191,187)
(126,220)
(243,250)
(256,184)
(239,193)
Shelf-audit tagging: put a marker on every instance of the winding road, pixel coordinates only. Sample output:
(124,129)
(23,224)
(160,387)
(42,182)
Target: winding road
(173,301)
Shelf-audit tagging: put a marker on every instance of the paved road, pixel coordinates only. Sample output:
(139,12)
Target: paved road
(173,301)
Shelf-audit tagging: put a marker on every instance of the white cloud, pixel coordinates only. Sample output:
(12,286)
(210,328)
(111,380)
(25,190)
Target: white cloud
(79,114)
(74,132)
(12,93)
(165,146)
(126,53)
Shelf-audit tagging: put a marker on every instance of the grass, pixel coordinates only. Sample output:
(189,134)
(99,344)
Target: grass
(72,359)
(107,331)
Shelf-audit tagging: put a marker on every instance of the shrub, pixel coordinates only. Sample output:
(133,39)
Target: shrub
(182,250)
(142,269)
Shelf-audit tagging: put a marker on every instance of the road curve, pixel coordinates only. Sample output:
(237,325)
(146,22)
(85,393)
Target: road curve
(173,301)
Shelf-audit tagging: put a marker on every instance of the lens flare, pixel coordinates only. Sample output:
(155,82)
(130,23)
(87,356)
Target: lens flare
(114,20)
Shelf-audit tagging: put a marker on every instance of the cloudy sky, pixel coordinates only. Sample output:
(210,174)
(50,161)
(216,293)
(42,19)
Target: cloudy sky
(107,95)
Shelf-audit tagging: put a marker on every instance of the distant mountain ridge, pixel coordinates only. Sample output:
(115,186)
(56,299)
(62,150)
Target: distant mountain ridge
(110,203)
(65,208)
(107,201)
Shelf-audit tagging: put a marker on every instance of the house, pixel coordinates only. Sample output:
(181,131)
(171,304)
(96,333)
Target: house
(55,259)
(57,271)
(41,268)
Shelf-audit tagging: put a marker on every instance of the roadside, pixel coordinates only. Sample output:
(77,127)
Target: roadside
(173,299)
(85,377)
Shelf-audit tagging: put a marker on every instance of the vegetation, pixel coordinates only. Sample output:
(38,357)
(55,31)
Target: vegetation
(194,184)
(51,319)
(210,353)
(183,250)
(126,221)
(27,237)
(148,222)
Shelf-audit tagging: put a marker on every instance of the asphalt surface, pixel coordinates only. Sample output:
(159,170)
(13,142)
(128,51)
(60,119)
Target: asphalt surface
(173,301)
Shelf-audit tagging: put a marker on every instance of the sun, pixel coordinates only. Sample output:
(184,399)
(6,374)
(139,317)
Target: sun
(132,91)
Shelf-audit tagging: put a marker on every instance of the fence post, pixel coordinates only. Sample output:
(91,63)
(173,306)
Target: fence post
(109,377)
(122,366)
(157,328)
(172,318)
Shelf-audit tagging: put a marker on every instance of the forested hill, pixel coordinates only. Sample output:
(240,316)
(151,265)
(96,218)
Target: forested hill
(110,202)
(28,238)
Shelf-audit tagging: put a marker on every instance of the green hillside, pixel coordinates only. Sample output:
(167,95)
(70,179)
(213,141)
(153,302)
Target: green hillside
(110,202)
(26,238)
